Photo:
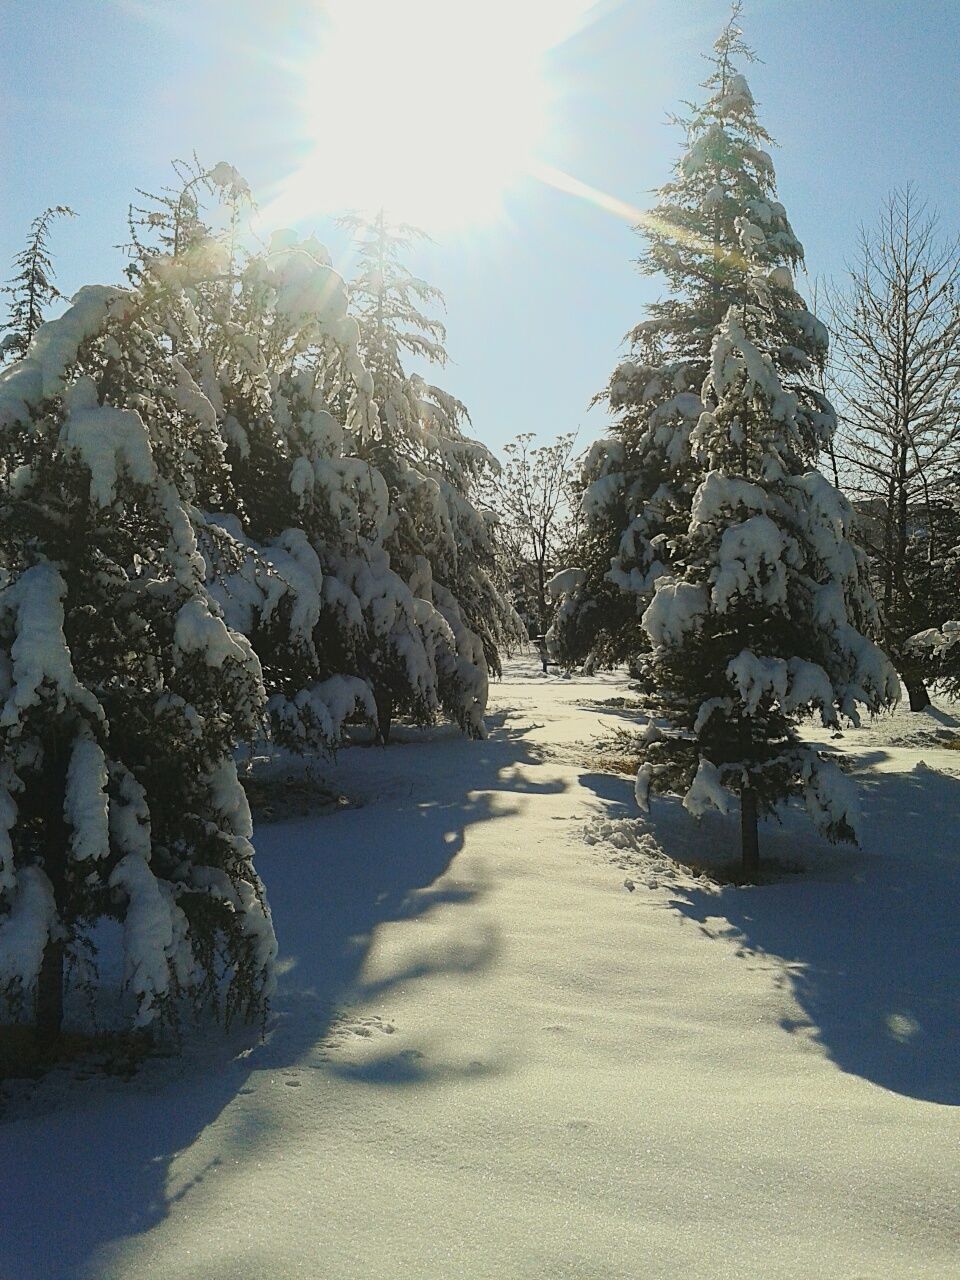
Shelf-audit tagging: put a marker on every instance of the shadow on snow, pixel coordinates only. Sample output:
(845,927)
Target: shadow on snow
(90,1174)
(868,943)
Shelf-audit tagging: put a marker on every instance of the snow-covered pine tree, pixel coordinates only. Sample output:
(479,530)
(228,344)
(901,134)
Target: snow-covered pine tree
(757,610)
(295,525)
(765,617)
(124,693)
(639,483)
(251,317)
(32,289)
(442,543)
(301,494)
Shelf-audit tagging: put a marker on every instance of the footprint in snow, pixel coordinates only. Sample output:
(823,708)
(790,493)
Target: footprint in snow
(347,1028)
(367,1027)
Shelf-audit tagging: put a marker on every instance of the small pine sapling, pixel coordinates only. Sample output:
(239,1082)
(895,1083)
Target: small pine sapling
(32,289)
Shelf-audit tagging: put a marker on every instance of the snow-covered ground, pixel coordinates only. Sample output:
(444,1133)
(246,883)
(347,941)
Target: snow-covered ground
(501,1050)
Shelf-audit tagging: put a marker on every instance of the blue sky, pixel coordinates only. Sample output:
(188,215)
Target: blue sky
(96,97)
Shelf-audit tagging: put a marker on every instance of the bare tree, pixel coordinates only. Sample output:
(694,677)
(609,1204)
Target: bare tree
(532,498)
(897,388)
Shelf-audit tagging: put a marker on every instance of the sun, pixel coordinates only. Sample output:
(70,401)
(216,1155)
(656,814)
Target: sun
(430,109)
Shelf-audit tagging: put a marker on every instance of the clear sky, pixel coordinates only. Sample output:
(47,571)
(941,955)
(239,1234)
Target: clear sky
(97,96)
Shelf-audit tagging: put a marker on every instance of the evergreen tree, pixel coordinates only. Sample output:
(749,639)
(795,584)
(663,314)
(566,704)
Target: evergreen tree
(754,603)
(639,484)
(295,525)
(762,621)
(264,330)
(442,543)
(32,289)
(124,692)
(298,485)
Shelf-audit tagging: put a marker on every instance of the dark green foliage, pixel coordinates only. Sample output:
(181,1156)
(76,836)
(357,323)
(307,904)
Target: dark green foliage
(749,605)
(124,695)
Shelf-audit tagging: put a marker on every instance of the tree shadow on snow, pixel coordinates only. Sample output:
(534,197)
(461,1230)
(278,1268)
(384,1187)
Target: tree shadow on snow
(941,716)
(614,788)
(99,1169)
(868,945)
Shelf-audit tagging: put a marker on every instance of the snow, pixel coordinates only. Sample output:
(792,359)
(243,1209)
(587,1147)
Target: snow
(637,551)
(8,820)
(736,364)
(565,582)
(870,672)
(190,399)
(719,494)
(41,374)
(85,801)
(498,1050)
(781,278)
(707,791)
(229,799)
(828,520)
(703,150)
(155,936)
(737,96)
(324,706)
(225,175)
(831,798)
(751,237)
(198,630)
(207,259)
(714,197)
(939,640)
(641,787)
(760,160)
(306,291)
(286,568)
(602,493)
(41,659)
(751,563)
(129,814)
(675,609)
(245,892)
(24,931)
(107,441)
(793,683)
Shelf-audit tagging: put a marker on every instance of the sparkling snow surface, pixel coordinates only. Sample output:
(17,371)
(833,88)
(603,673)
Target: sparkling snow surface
(503,1050)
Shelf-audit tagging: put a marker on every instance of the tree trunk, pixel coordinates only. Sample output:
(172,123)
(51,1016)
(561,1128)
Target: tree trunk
(384,700)
(901,561)
(749,839)
(49,998)
(49,1003)
(541,597)
(917,693)
(889,519)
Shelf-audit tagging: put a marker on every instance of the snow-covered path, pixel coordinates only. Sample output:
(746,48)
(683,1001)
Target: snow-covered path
(493,1060)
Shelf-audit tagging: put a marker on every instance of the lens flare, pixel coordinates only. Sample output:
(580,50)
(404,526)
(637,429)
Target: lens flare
(430,109)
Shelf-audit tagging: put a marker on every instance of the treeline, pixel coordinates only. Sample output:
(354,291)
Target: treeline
(228,511)
(714,556)
(891,374)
